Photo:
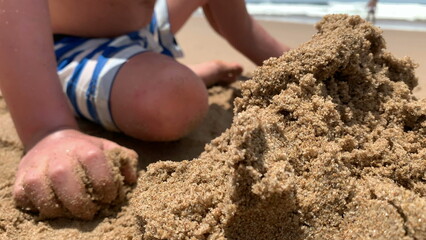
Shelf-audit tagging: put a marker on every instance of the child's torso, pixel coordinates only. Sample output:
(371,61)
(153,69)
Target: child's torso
(99,18)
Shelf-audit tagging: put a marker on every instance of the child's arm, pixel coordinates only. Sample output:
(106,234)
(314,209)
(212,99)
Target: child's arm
(48,179)
(231,20)
(28,76)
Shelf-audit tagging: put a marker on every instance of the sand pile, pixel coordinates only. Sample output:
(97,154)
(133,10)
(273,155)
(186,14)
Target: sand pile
(327,142)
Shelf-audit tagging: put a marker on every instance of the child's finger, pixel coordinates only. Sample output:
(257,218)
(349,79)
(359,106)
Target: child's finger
(21,199)
(127,158)
(38,192)
(128,170)
(99,173)
(66,176)
(129,165)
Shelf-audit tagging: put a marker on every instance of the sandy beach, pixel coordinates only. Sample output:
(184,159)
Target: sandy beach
(200,43)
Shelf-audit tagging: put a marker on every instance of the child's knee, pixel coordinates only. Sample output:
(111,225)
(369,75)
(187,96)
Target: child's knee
(170,109)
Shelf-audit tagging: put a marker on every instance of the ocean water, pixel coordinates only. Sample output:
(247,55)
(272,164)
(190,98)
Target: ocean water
(390,14)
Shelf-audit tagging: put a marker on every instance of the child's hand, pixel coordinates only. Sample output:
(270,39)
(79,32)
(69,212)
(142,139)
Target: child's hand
(67,173)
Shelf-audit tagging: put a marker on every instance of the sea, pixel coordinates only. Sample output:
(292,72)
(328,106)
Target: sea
(390,14)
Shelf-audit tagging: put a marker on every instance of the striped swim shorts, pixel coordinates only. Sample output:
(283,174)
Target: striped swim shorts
(87,66)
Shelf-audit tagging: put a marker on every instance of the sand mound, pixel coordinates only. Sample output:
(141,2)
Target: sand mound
(327,142)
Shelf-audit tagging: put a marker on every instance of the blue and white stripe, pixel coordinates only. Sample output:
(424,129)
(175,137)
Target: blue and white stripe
(87,67)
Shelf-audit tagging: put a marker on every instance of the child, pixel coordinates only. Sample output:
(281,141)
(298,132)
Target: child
(113,59)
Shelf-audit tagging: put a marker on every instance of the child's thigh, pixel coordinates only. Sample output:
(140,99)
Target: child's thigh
(181,10)
(156,98)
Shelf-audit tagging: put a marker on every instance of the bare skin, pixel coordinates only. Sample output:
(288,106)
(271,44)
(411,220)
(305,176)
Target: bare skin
(162,106)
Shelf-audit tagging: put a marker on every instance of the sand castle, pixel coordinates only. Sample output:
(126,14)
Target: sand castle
(327,142)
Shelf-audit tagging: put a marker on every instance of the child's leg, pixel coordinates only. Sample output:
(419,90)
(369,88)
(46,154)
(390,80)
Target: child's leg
(231,20)
(157,99)
(181,10)
(210,72)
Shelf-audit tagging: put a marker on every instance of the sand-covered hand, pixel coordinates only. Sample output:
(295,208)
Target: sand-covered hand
(70,174)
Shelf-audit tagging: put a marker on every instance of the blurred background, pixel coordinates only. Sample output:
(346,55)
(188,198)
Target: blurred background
(389,14)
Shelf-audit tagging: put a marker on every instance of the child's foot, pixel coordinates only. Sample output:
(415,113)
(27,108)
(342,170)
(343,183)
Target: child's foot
(217,72)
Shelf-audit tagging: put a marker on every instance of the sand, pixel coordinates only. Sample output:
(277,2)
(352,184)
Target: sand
(327,142)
